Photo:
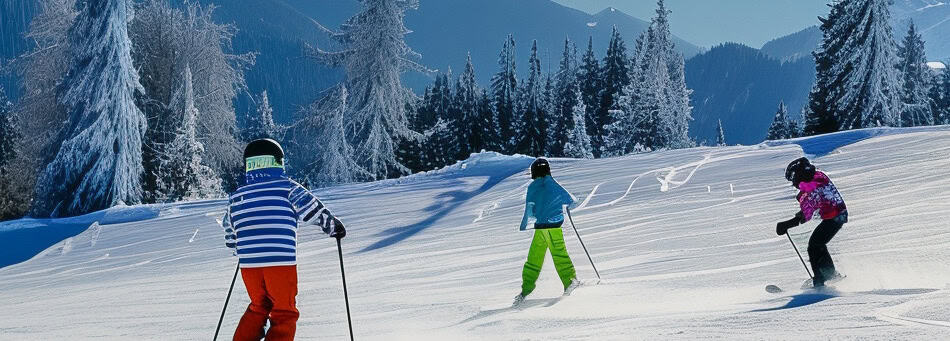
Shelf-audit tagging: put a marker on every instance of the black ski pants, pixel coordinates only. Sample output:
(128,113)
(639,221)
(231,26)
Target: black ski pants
(821,264)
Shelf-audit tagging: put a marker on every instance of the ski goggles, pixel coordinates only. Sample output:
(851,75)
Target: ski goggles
(261,162)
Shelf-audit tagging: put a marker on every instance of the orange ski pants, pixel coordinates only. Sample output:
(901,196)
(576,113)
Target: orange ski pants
(273,292)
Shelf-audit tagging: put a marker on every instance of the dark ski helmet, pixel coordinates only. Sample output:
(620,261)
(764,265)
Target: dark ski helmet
(540,168)
(799,170)
(263,153)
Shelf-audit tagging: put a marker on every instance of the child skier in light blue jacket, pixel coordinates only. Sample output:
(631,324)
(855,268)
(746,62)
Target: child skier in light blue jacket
(545,202)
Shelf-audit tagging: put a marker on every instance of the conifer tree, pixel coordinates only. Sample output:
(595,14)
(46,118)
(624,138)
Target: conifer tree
(780,128)
(374,54)
(99,164)
(916,77)
(262,124)
(615,76)
(181,174)
(565,100)
(939,95)
(335,161)
(721,139)
(469,127)
(589,80)
(857,85)
(578,142)
(504,88)
(527,128)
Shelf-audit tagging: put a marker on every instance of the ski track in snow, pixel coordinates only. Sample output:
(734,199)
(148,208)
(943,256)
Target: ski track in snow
(689,262)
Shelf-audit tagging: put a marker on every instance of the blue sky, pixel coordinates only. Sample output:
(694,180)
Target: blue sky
(710,22)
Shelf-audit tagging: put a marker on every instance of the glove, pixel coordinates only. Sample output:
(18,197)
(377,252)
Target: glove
(338,230)
(782,227)
(801,217)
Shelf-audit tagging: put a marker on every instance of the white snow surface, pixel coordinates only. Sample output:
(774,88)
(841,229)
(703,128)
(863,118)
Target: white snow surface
(685,242)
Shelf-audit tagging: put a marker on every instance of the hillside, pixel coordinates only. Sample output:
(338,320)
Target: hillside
(685,241)
(743,86)
(794,46)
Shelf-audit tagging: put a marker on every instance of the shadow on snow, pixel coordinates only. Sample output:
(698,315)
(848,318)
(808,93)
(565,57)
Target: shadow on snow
(451,201)
(801,300)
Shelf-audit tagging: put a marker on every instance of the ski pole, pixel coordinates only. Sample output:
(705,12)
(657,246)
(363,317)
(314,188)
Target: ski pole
(582,244)
(346,296)
(233,279)
(799,255)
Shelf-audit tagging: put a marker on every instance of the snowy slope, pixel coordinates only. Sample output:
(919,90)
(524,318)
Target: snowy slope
(684,240)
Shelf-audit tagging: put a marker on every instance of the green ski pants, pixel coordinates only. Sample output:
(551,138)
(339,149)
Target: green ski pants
(545,239)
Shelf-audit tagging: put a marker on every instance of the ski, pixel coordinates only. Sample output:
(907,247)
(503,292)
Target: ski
(808,284)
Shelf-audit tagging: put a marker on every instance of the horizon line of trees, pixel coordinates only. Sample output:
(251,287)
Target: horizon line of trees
(625,103)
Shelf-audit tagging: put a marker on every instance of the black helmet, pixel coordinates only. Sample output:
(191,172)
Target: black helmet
(264,147)
(540,168)
(799,170)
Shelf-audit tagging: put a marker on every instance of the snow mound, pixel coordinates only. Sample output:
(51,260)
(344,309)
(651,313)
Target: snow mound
(821,145)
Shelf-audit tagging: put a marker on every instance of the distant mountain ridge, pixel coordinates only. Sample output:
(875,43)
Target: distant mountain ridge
(742,86)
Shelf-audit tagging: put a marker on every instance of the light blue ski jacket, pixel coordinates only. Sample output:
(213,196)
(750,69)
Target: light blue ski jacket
(545,202)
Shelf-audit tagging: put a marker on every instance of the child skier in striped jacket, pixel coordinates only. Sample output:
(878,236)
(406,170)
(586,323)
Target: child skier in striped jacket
(261,225)
(545,202)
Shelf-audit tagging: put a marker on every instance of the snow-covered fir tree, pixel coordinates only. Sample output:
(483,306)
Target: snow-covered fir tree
(262,125)
(721,139)
(857,83)
(439,148)
(677,127)
(653,111)
(436,104)
(614,77)
(782,126)
(181,173)
(549,118)
(475,131)
(945,96)
(166,40)
(504,89)
(374,55)
(488,129)
(333,157)
(628,128)
(99,163)
(916,77)
(565,100)
(939,95)
(590,84)
(578,142)
(528,136)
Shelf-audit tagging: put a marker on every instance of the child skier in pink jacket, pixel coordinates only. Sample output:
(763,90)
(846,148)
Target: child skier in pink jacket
(817,196)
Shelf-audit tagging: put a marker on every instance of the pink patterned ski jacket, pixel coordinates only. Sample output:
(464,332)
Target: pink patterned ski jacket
(820,197)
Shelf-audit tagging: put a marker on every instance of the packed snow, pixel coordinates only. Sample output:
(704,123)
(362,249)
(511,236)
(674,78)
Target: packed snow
(684,240)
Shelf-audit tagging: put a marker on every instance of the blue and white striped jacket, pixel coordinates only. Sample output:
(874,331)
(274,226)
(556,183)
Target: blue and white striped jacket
(262,218)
